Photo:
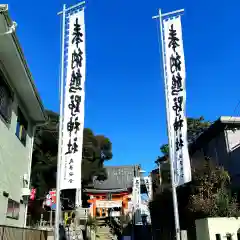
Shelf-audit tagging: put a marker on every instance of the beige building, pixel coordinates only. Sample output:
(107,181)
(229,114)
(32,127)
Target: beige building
(20,112)
(220,142)
(218,228)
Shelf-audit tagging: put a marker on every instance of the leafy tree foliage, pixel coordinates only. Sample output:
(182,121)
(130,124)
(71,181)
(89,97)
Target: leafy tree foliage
(96,150)
(210,195)
(120,226)
(44,159)
(195,127)
(164,149)
(207,195)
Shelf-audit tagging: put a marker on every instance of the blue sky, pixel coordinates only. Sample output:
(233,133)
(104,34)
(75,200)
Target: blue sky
(124,88)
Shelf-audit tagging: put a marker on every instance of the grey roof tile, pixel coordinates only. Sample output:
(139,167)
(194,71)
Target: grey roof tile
(118,177)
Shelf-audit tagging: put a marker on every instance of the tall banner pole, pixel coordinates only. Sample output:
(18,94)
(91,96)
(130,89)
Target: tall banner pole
(72,98)
(174,192)
(174,75)
(60,133)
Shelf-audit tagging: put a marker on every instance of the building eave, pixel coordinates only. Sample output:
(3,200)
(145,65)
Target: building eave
(229,120)
(216,127)
(9,23)
(90,190)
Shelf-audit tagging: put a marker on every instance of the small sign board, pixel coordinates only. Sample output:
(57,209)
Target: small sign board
(184,235)
(82,213)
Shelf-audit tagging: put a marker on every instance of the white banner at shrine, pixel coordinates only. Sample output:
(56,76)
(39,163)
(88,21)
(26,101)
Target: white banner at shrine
(148,184)
(176,95)
(73,113)
(137,200)
(136,192)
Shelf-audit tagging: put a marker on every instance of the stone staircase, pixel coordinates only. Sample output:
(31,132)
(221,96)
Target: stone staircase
(103,231)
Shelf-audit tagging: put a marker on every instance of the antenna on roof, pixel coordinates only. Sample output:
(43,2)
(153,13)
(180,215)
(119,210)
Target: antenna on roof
(4,8)
(10,30)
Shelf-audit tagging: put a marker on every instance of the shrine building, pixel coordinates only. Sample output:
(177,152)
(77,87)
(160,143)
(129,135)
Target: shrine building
(113,197)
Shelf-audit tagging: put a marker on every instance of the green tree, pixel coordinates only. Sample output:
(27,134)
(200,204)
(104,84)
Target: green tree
(44,159)
(210,195)
(207,195)
(164,149)
(120,226)
(195,127)
(96,150)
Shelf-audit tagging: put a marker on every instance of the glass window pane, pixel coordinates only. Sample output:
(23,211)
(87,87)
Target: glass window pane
(10,208)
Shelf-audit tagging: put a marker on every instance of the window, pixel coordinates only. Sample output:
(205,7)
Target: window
(109,196)
(13,209)
(5,100)
(229,236)
(21,130)
(218,236)
(238,236)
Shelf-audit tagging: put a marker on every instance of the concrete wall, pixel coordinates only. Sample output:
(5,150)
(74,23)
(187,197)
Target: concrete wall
(216,148)
(15,160)
(233,139)
(208,228)
(224,150)
(197,158)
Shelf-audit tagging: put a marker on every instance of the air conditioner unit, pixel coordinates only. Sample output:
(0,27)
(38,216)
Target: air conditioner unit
(25,195)
(26,192)
(25,177)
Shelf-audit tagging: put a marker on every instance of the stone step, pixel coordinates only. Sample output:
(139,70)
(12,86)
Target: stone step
(104,231)
(105,237)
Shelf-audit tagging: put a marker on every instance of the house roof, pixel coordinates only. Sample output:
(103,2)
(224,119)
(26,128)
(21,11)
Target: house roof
(215,128)
(92,190)
(23,82)
(118,177)
(205,136)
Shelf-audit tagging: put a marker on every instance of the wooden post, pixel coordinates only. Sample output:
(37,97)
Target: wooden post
(51,218)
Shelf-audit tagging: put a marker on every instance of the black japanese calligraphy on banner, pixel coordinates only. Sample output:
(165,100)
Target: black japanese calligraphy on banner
(175,74)
(173,39)
(75,87)
(74,105)
(71,173)
(136,191)
(77,33)
(77,58)
(75,83)
(175,66)
(74,102)
(148,184)
(72,146)
(176,84)
(73,125)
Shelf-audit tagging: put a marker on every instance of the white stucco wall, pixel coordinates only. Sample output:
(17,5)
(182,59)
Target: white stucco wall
(15,160)
(207,229)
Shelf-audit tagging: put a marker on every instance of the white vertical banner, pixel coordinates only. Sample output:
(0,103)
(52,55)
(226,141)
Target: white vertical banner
(176,99)
(148,184)
(73,113)
(137,200)
(136,192)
